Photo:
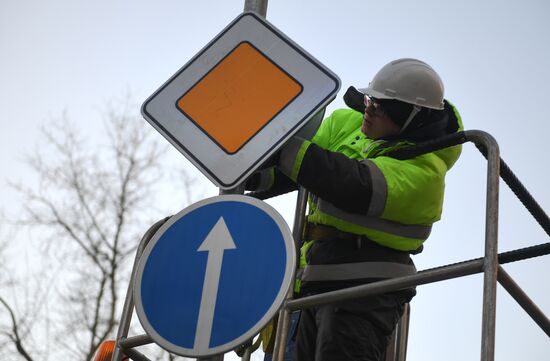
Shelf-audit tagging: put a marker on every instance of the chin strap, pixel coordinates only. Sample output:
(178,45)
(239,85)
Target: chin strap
(413,113)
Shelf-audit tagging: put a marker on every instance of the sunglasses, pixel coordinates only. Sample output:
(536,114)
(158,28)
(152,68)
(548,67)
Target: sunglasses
(372,107)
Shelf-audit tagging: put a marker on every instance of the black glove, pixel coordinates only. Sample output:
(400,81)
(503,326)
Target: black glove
(264,174)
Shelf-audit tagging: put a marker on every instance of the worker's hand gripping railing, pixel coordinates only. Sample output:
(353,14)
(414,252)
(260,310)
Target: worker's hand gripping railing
(489,264)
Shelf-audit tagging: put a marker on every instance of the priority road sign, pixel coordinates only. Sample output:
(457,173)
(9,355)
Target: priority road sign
(239,99)
(214,275)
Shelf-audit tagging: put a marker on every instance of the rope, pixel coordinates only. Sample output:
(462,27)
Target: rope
(505,172)
(428,146)
(524,253)
(521,193)
(506,257)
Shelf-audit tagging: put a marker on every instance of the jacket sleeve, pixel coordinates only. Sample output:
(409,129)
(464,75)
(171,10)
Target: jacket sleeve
(271,181)
(344,182)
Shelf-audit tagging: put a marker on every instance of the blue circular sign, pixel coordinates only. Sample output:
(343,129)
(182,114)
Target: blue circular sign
(214,275)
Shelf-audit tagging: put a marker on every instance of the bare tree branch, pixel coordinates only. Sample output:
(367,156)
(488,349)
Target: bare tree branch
(14,334)
(89,207)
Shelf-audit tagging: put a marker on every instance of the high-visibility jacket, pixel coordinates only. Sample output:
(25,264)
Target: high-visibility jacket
(357,189)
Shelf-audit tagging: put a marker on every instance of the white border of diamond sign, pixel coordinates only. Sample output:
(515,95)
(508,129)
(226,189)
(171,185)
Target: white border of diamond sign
(319,87)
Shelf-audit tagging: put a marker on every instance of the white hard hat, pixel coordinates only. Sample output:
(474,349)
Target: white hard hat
(408,80)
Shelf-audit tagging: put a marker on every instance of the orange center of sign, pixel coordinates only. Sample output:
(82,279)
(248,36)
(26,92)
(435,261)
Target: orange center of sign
(238,97)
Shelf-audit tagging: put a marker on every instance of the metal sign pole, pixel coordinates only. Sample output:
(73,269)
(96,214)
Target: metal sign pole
(259,7)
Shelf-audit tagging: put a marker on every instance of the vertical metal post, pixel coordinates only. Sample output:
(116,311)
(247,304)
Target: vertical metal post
(237,190)
(397,347)
(258,6)
(402,335)
(299,220)
(281,334)
(128,307)
(491,243)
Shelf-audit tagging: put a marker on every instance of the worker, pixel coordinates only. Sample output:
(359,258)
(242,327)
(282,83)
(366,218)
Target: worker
(368,212)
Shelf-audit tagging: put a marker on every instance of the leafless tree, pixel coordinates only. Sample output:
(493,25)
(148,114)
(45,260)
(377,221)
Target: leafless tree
(91,205)
(21,303)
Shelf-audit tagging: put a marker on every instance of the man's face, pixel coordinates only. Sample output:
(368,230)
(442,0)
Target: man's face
(376,123)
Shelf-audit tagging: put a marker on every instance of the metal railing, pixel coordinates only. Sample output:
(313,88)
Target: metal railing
(490,264)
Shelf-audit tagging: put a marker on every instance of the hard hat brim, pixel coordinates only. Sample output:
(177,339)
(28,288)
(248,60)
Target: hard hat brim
(374,94)
(379,95)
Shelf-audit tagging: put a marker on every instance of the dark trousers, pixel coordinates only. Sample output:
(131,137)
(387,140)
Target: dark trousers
(350,330)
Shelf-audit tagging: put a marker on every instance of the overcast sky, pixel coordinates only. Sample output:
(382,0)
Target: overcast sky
(493,56)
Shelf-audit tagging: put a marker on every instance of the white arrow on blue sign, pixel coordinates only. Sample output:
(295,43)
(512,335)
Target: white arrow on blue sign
(214,275)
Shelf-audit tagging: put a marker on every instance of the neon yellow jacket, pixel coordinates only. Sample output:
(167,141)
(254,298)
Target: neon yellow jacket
(340,166)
